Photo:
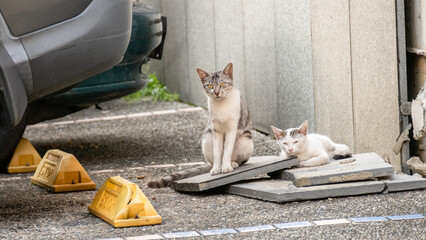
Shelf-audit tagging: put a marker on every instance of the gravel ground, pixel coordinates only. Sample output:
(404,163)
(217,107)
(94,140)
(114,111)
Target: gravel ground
(30,212)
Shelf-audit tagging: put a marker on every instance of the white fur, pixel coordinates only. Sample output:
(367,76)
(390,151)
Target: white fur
(224,115)
(310,149)
(225,108)
(221,148)
(220,144)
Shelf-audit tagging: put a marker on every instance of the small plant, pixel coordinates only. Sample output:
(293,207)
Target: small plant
(155,90)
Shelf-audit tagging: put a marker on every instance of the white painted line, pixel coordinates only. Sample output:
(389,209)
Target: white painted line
(160,166)
(293,225)
(114,117)
(268,227)
(164,112)
(117,117)
(406,217)
(255,228)
(11,179)
(181,234)
(88,120)
(192,109)
(218,231)
(38,125)
(330,222)
(138,115)
(137,168)
(368,219)
(146,237)
(190,164)
(62,123)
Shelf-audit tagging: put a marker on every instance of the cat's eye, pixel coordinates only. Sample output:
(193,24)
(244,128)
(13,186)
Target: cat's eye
(296,142)
(210,86)
(284,143)
(223,84)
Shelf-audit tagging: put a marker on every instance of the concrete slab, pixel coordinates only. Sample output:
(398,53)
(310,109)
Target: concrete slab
(255,166)
(359,167)
(285,191)
(403,182)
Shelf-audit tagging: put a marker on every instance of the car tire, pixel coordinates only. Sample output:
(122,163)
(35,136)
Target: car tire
(9,139)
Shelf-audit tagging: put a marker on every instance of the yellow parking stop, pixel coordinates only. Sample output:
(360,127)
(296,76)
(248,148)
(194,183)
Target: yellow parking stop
(61,172)
(123,204)
(24,159)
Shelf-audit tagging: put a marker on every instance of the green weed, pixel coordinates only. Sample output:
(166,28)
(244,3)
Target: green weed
(155,90)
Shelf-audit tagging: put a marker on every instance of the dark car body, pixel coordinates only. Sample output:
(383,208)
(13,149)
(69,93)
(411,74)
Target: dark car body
(60,56)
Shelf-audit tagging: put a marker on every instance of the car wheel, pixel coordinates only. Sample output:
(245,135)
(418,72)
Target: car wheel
(9,139)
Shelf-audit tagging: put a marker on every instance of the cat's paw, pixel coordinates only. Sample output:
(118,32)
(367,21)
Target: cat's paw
(227,169)
(234,165)
(215,171)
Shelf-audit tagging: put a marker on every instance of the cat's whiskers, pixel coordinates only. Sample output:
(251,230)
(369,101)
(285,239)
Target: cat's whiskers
(229,116)
(310,149)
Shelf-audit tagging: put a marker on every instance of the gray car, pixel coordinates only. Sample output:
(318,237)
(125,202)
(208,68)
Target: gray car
(47,47)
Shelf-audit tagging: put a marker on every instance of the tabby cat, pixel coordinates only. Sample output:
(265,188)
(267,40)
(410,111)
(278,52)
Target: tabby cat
(227,141)
(310,149)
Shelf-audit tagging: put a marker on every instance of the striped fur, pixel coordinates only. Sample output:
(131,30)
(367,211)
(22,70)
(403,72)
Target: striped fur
(227,142)
(168,180)
(228,113)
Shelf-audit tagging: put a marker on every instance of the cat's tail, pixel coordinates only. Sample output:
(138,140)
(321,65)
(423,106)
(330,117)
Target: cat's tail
(341,151)
(168,180)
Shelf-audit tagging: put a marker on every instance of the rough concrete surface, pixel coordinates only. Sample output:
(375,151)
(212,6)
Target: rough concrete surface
(255,166)
(358,167)
(125,146)
(403,182)
(285,191)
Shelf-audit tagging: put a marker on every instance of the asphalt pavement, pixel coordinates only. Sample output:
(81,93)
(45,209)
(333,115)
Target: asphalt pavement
(143,140)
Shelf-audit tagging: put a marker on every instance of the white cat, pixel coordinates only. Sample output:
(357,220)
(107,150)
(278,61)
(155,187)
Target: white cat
(310,149)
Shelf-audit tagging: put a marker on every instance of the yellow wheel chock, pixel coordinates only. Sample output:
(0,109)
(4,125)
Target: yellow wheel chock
(24,159)
(123,204)
(59,171)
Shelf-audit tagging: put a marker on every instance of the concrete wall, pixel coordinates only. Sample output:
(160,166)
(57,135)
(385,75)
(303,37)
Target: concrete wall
(334,63)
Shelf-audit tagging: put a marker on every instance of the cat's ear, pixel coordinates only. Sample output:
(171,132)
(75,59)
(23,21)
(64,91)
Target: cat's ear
(278,132)
(303,129)
(228,70)
(203,75)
